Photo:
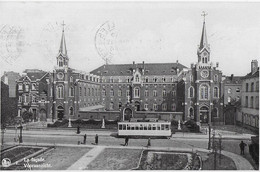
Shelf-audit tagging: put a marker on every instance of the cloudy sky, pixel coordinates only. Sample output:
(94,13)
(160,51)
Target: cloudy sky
(123,32)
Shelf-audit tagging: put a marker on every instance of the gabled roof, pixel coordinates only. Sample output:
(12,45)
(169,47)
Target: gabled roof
(254,75)
(149,69)
(33,75)
(233,80)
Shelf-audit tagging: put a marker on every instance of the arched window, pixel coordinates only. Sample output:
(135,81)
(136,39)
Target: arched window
(229,99)
(137,78)
(85,91)
(71,110)
(215,78)
(111,107)
(164,93)
(215,94)
(204,92)
(33,86)
(155,79)
(71,91)
(191,92)
(173,107)
(60,62)
(111,92)
(163,79)
(26,87)
(60,91)
(103,92)
(119,105)
(215,113)
(191,113)
(136,92)
(252,102)
(146,79)
(252,87)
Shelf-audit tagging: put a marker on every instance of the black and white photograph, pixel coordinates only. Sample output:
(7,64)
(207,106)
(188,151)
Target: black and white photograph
(129,85)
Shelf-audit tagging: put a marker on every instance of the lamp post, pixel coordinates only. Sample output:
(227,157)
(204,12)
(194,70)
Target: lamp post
(3,132)
(21,133)
(209,137)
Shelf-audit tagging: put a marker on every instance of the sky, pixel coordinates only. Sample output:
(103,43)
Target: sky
(123,32)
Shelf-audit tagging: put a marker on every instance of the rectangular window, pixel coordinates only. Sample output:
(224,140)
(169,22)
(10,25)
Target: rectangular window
(246,102)
(154,106)
(119,93)
(20,99)
(27,87)
(154,93)
(146,106)
(246,87)
(85,91)
(20,87)
(146,93)
(127,92)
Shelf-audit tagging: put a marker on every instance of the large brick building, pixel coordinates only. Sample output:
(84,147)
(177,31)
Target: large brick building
(200,88)
(195,92)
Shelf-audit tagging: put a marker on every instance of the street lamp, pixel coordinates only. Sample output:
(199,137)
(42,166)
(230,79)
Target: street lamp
(21,133)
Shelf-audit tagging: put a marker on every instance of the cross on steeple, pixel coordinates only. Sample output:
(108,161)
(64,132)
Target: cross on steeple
(204,14)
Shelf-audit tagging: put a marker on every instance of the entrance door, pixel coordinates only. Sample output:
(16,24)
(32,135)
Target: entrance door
(60,112)
(137,106)
(127,114)
(204,114)
(42,115)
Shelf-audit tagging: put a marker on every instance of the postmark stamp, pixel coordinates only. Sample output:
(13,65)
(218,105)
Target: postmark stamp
(11,43)
(105,41)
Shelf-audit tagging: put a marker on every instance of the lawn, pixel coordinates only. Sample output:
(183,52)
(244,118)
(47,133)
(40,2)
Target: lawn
(208,162)
(116,159)
(61,158)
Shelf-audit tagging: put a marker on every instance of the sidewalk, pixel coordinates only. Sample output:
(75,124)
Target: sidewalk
(240,162)
(103,132)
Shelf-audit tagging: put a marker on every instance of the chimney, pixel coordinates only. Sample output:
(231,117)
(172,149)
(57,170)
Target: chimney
(232,76)
(254,66)
(143,64)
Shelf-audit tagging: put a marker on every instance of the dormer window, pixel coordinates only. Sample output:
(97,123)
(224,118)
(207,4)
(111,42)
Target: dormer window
(137,78)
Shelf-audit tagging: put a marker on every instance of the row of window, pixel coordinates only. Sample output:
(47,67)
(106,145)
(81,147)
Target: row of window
(28,99)
(137,79)
(253,86)
(144,127)
(203,92)
(137,93)
(146,106)
(251,120)
(26,87)
(230,90)
(250,103)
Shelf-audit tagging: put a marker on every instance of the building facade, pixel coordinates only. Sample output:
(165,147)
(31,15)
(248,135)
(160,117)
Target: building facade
(200,88)
(151,87)
(248,116)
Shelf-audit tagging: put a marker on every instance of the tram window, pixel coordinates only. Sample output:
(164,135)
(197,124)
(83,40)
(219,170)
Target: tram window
(124,127)
(120,126)
(145,127)
(141,127)
(149,126)
(128,126)
(158,127)
(167,127)
(154,127)
(132,127)
(162,127)
(136,127)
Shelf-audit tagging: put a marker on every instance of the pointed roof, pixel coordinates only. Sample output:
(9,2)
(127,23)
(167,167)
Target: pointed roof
(63,49)
(204,40)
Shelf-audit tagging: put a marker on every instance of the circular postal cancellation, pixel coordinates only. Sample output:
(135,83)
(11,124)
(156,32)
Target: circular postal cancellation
(105,40)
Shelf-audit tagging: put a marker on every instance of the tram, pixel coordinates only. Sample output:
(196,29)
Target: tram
(160,128)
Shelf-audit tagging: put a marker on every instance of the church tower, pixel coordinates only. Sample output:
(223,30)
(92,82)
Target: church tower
(203,48)
(62,57)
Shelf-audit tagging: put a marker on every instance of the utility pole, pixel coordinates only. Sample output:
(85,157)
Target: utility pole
(209,137)
(214,151)
(220,147)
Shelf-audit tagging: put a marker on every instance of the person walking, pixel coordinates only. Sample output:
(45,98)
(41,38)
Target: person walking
(126,140)
(242,148)
(85,138)
(96,139)
(78,129)
(149,142)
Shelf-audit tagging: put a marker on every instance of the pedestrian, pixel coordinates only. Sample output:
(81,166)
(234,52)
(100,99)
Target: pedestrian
(85,138)
(126,140)
(96,139)
(242,147)
(78,129)
(149,142)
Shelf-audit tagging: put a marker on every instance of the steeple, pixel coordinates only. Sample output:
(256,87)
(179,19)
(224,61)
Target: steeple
(204,40)
(63,49)
(62,58)
(203,48)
